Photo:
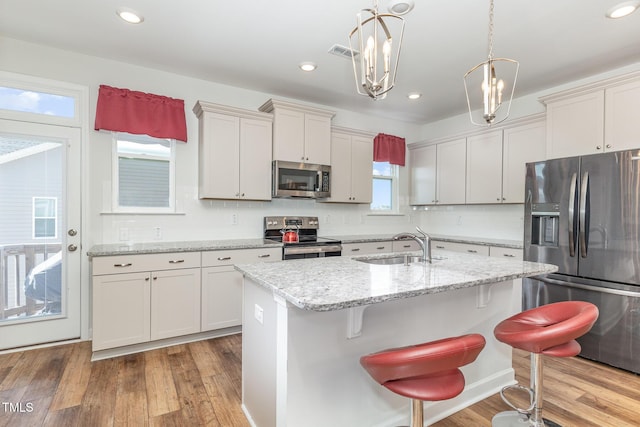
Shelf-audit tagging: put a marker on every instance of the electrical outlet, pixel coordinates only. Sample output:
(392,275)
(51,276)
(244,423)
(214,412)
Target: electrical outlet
(124,234)
(258,313)
(157,233)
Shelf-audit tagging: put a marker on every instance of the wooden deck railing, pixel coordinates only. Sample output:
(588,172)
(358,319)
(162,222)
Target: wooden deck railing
(16,261)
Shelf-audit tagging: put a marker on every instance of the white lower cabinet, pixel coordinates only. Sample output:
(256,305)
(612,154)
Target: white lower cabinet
(221,303)
(140,298)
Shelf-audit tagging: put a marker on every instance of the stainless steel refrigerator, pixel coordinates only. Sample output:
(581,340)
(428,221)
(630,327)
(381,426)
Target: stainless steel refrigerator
(583,215)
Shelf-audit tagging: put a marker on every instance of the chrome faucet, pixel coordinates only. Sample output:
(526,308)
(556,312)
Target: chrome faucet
(424,242)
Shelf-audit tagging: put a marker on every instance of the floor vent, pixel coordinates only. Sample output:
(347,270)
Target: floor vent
(343,51)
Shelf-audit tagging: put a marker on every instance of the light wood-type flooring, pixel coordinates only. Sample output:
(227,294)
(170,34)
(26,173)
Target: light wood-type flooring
(198,384)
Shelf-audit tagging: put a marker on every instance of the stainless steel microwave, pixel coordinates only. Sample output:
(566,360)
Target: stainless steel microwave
(291,179)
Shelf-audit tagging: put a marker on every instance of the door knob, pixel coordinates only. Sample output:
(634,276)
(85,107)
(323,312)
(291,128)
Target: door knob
(72,232)
(72,247)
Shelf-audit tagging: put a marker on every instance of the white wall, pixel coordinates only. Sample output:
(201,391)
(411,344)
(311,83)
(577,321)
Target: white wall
(200,219)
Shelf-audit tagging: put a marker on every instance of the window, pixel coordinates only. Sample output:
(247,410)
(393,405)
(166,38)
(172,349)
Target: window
(45,217)
(29,101)
(384,187)
(143,178)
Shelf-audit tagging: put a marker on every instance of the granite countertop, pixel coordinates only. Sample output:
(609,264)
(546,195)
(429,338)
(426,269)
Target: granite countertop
(364,238)
(187,246)
(334,283)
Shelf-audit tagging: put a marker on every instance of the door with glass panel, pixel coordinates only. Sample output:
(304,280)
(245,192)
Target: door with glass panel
(39,233)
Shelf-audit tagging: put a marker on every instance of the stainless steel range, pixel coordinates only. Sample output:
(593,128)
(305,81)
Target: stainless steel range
(302,239)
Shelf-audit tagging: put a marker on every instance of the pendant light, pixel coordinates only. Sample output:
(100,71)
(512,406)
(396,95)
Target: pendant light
(488,83)
(375,52)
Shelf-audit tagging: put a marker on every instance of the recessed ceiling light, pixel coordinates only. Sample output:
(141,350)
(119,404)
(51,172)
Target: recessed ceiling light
(414,95)
(400,7)
(129,15)
(623,9)
(307,66)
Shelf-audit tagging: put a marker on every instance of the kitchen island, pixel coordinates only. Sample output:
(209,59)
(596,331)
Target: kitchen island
(307,322)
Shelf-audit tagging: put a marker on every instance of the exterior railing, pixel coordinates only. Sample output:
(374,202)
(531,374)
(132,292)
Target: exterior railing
(16,261)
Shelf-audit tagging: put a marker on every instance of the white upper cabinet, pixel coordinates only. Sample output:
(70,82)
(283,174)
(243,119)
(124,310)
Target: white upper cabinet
(484,168)
(234,152)
(621,117)
(595,118)
(575,126)
(300,133)
(520,145)
(450,172)
(351,166)
(423,175)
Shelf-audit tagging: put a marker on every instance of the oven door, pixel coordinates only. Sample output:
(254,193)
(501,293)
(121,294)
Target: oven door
(315,251)
(300,180)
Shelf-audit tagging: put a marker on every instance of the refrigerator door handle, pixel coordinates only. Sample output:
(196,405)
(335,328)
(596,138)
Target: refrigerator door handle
(601,289)
(572,215)
(584,188)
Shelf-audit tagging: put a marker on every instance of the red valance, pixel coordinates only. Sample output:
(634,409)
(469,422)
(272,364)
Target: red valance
(389,148)
(124,110)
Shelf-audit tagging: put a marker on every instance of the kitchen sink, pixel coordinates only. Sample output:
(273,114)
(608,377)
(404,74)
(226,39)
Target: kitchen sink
(394,259)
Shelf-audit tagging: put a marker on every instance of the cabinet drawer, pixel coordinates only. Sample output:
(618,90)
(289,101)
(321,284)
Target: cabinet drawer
(240,256)
(510,253)
(405,246)
(366,248)
(144,262)
(461,247)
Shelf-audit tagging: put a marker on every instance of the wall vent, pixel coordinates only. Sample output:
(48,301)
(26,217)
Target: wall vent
(342,51)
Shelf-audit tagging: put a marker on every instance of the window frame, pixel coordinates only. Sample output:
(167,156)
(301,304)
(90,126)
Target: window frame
(115,205)
(394,178)
(34,217)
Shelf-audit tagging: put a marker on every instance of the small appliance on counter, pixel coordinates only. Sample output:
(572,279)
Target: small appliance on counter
(583,215)
(306,180)
(299,236)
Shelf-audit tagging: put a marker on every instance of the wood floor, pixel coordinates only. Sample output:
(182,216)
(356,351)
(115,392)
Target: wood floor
(198,384)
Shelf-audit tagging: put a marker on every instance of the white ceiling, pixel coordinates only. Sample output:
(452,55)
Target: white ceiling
(257,44)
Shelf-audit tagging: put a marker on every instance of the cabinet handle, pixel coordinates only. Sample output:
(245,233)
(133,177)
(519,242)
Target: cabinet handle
(176,261)
(146,279)
(155,277)
(598,147)
(509,255)
(608,145)
(264,256)
(224,258)
(355,249)
(503,199)
(439,247)
(128,264)
(473,251)
(242,194)
(380,247)
(498,199)
(406,246)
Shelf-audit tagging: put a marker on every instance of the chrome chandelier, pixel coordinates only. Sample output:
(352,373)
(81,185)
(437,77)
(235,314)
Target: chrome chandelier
(483,80)
(375,52)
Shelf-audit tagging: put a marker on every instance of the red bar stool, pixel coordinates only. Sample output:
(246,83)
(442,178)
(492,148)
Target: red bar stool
(426,371)
(549,330)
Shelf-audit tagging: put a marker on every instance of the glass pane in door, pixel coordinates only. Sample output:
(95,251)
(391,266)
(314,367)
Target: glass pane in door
(32,196)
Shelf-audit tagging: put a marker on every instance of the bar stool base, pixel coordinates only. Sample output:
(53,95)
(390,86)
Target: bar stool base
(516,419)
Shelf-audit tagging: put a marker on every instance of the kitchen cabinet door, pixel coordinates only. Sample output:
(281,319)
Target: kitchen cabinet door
(575,126)
(317,139)
(219,156)
(255,159)
(423,175)
(361,169)
(621,124)
(520,145)
(175,303)
(484,168)
(341,168)
(221,297)
(288,135)
(121,310)
(451,171)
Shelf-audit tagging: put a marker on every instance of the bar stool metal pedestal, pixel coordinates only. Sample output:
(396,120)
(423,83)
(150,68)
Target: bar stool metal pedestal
(549,330)
(428,371)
